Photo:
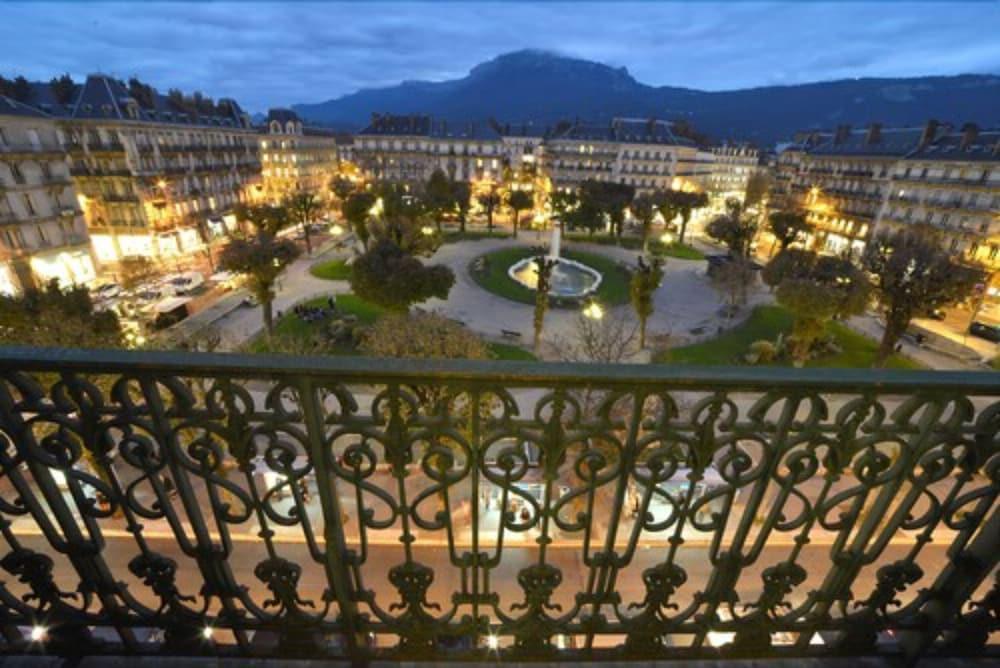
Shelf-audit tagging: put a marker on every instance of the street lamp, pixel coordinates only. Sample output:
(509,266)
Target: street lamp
(427,230)
(593,311)
(336,230)
(667,238)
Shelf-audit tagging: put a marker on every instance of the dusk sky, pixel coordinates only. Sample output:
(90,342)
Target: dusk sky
(267,54)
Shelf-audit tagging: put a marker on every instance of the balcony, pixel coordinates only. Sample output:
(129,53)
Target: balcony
(360,509)
(30,151)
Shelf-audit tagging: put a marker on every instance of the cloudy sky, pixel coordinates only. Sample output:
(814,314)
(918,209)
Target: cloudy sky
(267,54)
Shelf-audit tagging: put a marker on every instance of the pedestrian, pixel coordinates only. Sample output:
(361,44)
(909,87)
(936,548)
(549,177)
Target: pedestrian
(332,303)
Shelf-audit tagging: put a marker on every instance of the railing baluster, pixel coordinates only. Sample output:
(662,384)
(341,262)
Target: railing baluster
(744,482)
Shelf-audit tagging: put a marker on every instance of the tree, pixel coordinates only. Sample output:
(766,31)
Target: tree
(611,199)
(669,204)
(266,218)
(134,270)
(342,187)
(686,204)
(644,209)
(260,259)
(815,288)
(461,196)
(757,188)
(63,88)
(732,279)
(543,267)
(642,286)
(388,276)
(601,340)
(56,317)
(303,208)
(422,336)
(734,229)
(489,200)
(787,226)
(911,274)
(518,201)
(438,196)
(356,210)
(587,215)
(563,203)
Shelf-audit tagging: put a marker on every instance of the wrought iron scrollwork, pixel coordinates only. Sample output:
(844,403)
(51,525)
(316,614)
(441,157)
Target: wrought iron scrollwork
(369,508)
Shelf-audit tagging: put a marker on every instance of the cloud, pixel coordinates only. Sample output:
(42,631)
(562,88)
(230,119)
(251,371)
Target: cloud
(267,54)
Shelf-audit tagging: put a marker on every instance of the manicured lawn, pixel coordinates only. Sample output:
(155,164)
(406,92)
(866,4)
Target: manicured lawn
(331,270)
(766,322)
(677,250)
(293,327)
(612,291)
(506,351)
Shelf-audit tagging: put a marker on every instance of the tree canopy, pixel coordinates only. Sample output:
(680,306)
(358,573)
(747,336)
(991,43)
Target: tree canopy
(388,276)
(63,318)
(911,274)
(734,228)
(260,260)
(787,226)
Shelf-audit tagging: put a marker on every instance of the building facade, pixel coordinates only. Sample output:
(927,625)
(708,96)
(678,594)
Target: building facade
(951,187)
(296,157)
(407,149)
(152,175)
(732,165)
(643,153)
(43,235)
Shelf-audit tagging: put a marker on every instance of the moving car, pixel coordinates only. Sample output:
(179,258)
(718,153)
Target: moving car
(985,331)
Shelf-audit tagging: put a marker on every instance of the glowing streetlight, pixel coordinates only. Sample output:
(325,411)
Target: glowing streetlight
(207,632)
(492,641)
(667,238)
(427,230)
(39,633)
(593,311)
(336,230)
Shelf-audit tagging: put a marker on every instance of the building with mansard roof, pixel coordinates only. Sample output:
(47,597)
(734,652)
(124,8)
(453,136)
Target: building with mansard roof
(153,175)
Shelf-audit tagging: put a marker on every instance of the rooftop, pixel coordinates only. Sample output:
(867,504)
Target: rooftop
(104,97)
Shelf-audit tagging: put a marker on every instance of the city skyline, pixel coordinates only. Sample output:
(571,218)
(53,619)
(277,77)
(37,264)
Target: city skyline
(276,56)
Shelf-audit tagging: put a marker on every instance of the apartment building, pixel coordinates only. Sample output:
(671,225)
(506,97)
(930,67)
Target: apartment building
(296,157)
(932,179)
(407,149)
(43,236)
(153,175)
(643,153)
(732,165)
(950,187)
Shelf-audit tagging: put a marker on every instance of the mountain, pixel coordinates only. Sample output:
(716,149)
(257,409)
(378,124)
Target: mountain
(543,87)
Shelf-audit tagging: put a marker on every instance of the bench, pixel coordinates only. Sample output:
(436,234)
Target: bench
(510,335)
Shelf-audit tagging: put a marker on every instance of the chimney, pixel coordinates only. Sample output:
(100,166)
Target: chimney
(874,134)
(843,132)
(930,132)
(969,133)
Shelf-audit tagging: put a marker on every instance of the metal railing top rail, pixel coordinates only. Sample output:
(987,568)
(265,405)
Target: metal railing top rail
(512,373)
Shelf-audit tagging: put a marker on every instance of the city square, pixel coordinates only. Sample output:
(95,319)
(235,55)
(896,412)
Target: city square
(535,357)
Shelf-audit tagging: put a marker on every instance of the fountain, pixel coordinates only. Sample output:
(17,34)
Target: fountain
(569,278)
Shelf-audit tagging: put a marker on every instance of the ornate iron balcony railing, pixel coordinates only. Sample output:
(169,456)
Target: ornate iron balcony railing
(358,508)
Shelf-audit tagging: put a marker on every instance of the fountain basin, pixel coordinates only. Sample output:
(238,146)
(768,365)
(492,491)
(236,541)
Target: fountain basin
(569,277)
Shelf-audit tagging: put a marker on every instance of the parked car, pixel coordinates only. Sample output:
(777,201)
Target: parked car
(936,314)
(107,291)
(170,311)
(985,331)
(183,284)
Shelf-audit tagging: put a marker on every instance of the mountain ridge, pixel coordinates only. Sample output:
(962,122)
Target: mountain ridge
(543,87)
